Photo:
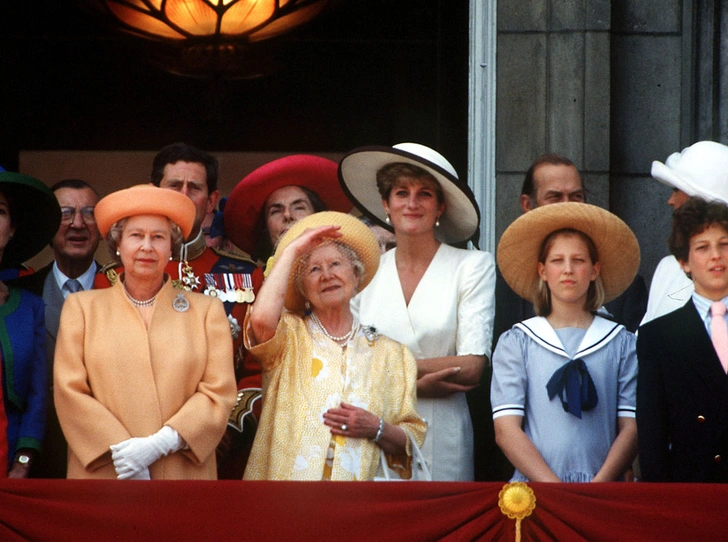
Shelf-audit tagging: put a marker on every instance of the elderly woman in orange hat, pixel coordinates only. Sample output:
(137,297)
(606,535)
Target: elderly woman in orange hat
(143,380)
(336,393)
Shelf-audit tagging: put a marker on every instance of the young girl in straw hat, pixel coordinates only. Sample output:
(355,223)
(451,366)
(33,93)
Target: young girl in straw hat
(564,382)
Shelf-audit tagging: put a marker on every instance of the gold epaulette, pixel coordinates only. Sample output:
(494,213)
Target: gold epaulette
(110,270)
(239,256)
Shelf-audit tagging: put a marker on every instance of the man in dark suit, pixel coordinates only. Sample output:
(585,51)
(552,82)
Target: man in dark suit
(73,268)
(682,386)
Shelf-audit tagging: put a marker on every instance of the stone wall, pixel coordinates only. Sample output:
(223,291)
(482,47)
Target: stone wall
(613,85)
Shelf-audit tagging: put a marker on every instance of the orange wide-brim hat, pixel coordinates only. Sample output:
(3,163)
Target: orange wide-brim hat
(145,199)
(246,201)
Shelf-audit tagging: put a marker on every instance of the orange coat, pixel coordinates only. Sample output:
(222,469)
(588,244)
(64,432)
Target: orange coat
(114,379)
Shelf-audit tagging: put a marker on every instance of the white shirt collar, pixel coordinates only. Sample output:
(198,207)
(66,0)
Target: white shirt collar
(702,305)
(86,279)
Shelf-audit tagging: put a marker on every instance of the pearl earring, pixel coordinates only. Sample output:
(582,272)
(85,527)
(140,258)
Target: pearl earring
(437,222)
(387,220)
(117,253)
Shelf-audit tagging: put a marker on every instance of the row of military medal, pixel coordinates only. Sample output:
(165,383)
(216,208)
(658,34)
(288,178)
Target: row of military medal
(230,287)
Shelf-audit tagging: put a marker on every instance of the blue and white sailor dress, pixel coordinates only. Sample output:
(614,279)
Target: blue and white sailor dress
(570,385)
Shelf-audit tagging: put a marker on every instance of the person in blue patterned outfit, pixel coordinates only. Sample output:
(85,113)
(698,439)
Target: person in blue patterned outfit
(564,382)
(29,217)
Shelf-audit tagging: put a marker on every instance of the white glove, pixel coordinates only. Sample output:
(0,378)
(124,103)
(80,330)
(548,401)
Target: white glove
(132,456)
(142,475)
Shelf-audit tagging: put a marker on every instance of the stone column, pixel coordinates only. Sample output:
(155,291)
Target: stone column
(553,93)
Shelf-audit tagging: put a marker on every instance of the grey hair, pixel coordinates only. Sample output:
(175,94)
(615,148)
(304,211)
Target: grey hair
(346,251)
(114,237)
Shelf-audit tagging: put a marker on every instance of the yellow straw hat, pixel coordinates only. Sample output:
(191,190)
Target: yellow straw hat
(617,247)
(145,199)
(355,234)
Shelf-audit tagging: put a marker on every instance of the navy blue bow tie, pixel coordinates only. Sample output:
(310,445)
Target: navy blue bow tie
(574,386)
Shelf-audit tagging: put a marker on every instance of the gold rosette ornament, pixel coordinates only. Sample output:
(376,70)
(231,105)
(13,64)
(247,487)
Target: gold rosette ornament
(516,500)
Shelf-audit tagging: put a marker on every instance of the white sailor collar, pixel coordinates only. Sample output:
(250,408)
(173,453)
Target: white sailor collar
(600,333)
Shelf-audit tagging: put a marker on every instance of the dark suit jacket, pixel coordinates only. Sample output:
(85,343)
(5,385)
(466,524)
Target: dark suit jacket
(682,401)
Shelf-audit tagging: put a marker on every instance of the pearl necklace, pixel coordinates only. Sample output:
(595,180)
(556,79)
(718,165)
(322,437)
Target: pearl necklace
(343,338)
(137,303)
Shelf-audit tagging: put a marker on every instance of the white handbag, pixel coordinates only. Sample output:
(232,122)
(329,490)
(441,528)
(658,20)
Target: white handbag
(420,470)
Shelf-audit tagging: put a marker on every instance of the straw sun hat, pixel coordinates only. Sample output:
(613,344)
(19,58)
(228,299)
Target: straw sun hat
(617,247)
(358,178)
(145,199)
(355,234)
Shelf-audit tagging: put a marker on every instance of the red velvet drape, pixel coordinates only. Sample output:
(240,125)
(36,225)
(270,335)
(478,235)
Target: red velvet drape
(230,510)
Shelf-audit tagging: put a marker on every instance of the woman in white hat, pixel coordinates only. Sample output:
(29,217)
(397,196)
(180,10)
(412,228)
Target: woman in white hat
(335,392)
(143,382)
(564,382)
(699,170)
(436,299)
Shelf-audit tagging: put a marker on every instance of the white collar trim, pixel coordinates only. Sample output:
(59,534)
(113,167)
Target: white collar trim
(600,333)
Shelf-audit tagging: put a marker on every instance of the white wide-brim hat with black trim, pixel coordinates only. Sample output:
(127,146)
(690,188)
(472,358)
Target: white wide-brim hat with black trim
(699,170)
(358,177)
(617,246)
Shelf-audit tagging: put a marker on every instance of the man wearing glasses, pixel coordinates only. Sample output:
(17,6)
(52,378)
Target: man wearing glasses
(73,269)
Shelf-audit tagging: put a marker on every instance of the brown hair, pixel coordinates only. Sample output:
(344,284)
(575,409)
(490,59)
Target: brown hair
(691,219)
(542,295)
(389,175)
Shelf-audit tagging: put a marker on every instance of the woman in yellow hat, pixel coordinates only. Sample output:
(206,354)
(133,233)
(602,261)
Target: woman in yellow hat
(335,391)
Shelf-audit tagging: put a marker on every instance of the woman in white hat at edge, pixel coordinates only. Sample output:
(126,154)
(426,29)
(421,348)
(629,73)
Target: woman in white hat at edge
(436,299)
(699,170)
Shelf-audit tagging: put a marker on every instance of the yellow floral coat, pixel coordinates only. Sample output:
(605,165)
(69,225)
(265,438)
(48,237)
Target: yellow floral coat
(114,379)
(304,375)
